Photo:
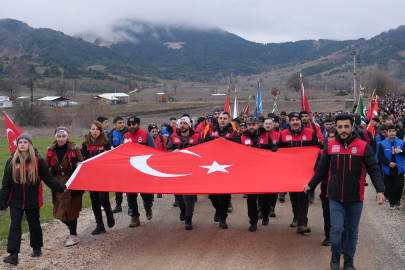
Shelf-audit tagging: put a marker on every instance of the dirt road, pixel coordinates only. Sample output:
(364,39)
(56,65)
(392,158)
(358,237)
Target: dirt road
(162,243)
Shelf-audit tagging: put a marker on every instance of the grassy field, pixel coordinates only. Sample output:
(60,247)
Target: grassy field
(47,209)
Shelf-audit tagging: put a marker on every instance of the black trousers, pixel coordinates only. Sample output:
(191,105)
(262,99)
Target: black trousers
(394,185)
(133,204)
(118,197)
(300,204)
(14,235)
(252,205)
(221,204)
(273,200)
(72,225)
(326,215)
(99,199)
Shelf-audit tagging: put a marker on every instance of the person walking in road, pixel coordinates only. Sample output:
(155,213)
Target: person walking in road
(344,159)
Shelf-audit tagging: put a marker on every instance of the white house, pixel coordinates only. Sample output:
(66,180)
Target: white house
(54,101)
(113,97)
(5,102)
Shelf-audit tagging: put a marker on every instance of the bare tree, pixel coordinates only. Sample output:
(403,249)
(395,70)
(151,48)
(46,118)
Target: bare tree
(275,91)
(9,87)
(175,86)
(294,82)
(382,82)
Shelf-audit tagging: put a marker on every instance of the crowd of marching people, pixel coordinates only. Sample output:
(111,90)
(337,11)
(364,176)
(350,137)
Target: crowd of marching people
(347,152)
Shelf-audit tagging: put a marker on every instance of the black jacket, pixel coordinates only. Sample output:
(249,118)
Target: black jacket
(345,166)
(255,138)
(222,134)
(91,151)
(110,135)
(26,196)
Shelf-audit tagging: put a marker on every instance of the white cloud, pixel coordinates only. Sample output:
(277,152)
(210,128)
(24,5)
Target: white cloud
(257,20)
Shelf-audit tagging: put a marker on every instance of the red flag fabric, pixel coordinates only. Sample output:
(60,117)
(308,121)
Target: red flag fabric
(228,103)
(370,110)
(13,131)
(215,167)
(304,101)
(373,114)
(246,110)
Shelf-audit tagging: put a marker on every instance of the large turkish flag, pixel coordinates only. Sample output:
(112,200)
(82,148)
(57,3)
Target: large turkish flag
(216,167)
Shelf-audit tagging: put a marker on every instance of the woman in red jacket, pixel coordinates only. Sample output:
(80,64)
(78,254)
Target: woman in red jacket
(22,191)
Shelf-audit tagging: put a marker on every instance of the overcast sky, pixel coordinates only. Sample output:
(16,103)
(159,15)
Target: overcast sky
(256,20)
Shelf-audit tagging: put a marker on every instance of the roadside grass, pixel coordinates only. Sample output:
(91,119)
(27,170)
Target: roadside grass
(46,211)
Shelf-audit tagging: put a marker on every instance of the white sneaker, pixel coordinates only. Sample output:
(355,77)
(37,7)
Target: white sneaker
(399,205)
(392,207)
(102,208)
(73,240)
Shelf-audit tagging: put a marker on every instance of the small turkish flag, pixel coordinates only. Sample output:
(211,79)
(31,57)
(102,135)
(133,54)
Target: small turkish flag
(215,167)
(13,131)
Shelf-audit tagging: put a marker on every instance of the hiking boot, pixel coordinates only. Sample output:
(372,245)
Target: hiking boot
(182,214)
(159,196)
(117,208)
(253,227)
(399,204)
(294,223)
(311,196)
(230,208)
(335,261)
(216,217)
(135,222)
(265,221)
(12,258)
(303,229)
(272,211)
(326,242)
(149,213)
(223,225)
(72,240)
(245,196)
(281,197)
(343,248)
(188,223)
(175,204)
(110,218)
(348,265)
(392,207)
(36,252)
(99,230)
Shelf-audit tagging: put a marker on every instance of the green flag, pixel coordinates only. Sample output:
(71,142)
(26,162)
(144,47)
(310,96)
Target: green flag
(275,106)
(360,108)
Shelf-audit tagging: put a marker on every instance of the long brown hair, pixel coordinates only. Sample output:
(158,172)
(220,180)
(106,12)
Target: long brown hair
(33,172)
(101,140)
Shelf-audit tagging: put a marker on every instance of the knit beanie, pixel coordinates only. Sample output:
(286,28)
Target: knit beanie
(26,136)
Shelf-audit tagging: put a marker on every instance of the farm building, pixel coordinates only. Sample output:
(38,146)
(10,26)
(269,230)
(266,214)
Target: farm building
(113,98)
(54,101)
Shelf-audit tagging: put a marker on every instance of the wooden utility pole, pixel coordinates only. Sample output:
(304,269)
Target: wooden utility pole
(32,92)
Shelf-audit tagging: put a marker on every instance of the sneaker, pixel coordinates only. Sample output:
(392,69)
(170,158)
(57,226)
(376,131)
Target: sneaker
(182,214)
(348,265)
(12,258)
(343,248)
(188,223)
(99,230)
(272,211)
(281,197)
(392,207)
(149,214)
(110,218)
(159,196)
(253,227)
(36,253)
(117,208)
(244,196)
(326,242)
(102,208)
(230,208)
(303,229)
(399,204)
(216,217)
(294,223)
(265,221)
(135,222)
(335,261)
(223,225)
(72,240)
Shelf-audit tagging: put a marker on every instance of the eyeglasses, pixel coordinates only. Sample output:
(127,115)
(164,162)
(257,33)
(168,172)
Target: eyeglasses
(132,124)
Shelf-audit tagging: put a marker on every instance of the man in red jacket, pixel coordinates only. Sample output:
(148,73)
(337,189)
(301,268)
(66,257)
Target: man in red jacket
(160,140)
(306,121)
(343,162)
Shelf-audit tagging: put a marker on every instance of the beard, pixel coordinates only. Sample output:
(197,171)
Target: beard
(133,129)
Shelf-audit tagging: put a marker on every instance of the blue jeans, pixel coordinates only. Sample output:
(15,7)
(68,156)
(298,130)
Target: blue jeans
(338,211)
(186,202)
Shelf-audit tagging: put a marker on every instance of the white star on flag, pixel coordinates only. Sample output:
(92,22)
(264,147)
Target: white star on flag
(15,142)
(215,167)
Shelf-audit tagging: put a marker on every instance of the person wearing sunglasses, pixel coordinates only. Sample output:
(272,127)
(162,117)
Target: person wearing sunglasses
(137,135)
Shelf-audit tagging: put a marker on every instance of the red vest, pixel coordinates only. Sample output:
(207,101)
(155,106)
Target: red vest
(263,140)
(215,134)
(159,144)
(303,139)
(71,157)
(275,136)
(178,144)
(141,137)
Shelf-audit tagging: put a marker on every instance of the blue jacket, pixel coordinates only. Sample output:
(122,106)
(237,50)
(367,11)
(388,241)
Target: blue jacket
(378,142)
(324,133)
(386,145)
